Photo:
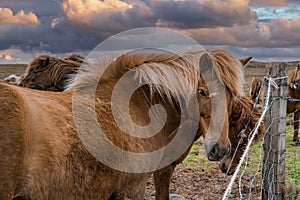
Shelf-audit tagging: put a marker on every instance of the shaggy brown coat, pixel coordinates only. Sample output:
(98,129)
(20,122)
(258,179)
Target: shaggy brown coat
(48,73)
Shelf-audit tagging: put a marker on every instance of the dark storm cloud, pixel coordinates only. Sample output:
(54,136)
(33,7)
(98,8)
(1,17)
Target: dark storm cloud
(197,14)
(42,37)
(76,25)
(79,25)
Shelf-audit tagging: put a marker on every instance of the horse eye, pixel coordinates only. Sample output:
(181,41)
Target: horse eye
(202,93)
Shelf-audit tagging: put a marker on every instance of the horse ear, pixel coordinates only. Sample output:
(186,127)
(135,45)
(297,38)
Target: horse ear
(45,62)
(206,64)
(298,66)
(246,60)
(207,70)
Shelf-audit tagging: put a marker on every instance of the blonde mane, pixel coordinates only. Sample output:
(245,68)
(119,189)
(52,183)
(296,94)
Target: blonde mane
(162,69)
(166,73)
(230,70)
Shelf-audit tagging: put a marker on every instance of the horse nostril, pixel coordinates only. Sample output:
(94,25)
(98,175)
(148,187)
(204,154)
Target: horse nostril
(214,151)
(223,168)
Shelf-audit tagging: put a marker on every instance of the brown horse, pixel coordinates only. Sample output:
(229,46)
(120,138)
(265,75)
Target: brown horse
(43,153)
(243,120)
(48,73)
(293,105)
(241,117)
(256,91)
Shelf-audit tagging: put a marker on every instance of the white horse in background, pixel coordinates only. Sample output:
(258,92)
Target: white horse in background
(13,79)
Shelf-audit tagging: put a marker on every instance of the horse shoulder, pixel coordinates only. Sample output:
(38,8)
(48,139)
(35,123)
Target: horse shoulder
(38,129)
(12,126)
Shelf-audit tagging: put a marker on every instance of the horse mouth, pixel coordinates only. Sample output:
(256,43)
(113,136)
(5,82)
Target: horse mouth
(217,153)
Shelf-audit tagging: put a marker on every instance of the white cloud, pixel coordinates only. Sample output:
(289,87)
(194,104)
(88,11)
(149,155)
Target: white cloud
(8,17)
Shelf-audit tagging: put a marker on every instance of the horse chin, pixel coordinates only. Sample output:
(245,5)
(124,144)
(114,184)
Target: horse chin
(225,170)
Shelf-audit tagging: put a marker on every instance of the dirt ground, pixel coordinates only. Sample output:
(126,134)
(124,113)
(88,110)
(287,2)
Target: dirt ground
(197,183)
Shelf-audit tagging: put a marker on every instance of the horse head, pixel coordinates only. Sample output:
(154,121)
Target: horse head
(243,120)
(48,73)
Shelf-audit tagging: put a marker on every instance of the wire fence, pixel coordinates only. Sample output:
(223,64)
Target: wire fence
(272,167)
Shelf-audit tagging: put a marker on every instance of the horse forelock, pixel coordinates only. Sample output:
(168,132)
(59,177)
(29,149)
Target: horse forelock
(229,70)
(174,81)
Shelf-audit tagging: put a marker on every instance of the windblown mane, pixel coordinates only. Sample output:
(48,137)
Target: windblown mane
(232,76)
(149,65)
(166,72)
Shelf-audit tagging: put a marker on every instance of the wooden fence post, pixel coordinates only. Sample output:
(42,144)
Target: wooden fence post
(273,169)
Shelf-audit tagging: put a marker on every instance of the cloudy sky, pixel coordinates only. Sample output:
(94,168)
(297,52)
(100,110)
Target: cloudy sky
(265,29)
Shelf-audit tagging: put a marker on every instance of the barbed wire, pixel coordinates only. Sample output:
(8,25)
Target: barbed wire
(229,188)
(246,162)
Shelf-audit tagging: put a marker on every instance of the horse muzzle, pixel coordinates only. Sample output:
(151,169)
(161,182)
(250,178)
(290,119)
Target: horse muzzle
(218,152)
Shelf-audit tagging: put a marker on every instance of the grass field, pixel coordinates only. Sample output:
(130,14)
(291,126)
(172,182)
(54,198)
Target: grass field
(6,70)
